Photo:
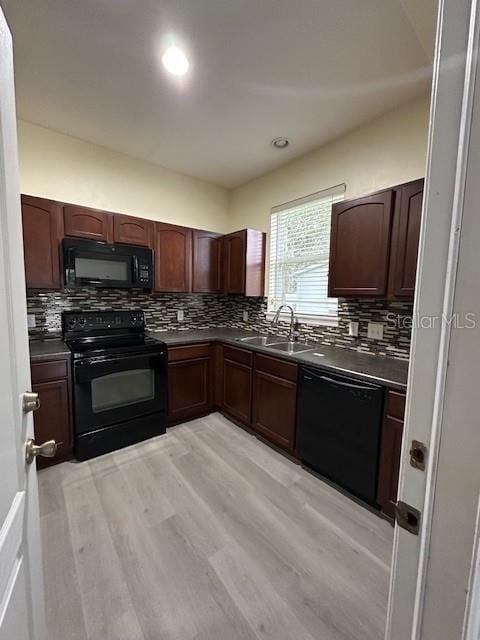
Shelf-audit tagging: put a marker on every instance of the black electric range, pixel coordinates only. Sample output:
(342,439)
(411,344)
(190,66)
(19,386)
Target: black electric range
(119,380)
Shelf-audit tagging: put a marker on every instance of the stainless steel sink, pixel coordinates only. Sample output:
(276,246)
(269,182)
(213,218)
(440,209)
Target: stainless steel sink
(261,340)
(290,347)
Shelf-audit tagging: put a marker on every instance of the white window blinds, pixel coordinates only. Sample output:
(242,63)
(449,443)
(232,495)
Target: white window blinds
(299,254)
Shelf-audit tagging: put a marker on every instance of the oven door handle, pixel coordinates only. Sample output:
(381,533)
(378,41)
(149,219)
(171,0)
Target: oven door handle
(89,362)
(85,370)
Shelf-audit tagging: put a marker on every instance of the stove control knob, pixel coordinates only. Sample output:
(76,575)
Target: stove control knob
(71,323)
(82,322)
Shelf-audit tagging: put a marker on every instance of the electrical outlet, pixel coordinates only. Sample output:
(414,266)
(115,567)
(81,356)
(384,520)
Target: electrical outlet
(245,316)
(353,328)
(375,330)
(180,315)
(31,321)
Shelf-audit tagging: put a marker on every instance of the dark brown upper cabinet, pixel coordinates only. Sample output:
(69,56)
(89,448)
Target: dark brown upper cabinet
(244,262)
(405,238)
(42,231)
(173,258)
(82,222)
(207,274)
(132,230)
(360,246)
(186,260)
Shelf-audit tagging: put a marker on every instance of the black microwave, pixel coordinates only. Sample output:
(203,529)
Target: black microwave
(94,264)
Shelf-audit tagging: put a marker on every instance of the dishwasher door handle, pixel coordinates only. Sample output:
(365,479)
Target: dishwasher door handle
(348,385)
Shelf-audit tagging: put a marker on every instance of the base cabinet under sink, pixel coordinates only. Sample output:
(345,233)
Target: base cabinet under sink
(257,391)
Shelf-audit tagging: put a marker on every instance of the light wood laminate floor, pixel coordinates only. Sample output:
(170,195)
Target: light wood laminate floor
(208,534)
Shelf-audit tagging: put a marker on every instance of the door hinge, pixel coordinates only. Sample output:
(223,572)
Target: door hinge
(408,517)
(418,455)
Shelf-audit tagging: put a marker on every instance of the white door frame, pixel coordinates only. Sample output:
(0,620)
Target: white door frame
(453,88)
(20,531)
(471,630)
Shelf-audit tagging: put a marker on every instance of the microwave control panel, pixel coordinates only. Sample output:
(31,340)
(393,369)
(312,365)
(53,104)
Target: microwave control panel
(144,275)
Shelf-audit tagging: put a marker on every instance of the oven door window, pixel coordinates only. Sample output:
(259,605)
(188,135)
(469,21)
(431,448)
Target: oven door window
(115,270)
(122,388)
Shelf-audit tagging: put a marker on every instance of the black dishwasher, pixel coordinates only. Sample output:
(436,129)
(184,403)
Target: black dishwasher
(338,430)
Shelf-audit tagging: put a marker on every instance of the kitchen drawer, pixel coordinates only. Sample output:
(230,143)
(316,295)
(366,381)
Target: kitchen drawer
(276,367)
(44,371)
(395,404)
(188,352)
(238,355)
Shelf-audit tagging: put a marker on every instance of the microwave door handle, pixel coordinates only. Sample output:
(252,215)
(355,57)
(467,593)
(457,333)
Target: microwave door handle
(135,268)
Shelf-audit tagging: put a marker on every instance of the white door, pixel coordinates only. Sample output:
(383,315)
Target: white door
(430,570)
(21,596)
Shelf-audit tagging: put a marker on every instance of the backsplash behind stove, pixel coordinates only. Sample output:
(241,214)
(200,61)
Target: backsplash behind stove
(203,311)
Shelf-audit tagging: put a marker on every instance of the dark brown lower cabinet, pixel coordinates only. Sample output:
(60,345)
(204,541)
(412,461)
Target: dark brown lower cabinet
(237,390)
(189,382)
(188,388)
(53,421)
(217,374)
(236,384)
(260,392)
(390,451)
(275,400)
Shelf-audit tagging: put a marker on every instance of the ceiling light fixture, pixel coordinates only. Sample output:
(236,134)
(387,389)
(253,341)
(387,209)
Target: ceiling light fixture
(175,61)
(280,143)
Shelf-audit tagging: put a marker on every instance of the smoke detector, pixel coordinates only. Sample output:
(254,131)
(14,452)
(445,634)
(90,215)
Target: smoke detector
(280,143)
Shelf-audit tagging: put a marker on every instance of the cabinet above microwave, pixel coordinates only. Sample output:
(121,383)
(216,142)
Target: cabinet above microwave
(94,264)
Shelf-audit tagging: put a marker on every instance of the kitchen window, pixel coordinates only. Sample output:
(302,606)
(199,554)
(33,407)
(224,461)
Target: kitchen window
(299,257)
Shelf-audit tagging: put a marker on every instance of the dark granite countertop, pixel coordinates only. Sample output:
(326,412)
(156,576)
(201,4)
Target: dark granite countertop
(387,371)
(48,349)
(383,370)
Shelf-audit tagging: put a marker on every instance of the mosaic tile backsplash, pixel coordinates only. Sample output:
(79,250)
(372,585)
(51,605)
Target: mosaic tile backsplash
(203,311)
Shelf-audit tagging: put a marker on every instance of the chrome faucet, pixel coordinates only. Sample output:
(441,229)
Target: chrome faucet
(293,332)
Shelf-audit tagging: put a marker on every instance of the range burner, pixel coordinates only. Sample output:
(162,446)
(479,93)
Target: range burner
(120,380)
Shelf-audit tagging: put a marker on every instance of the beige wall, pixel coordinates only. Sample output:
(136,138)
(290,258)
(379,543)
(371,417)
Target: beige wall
(386,151)
(56,166)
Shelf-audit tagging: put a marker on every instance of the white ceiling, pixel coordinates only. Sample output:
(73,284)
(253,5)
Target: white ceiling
(306,69)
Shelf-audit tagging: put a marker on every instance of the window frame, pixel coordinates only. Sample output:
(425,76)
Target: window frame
(305,318)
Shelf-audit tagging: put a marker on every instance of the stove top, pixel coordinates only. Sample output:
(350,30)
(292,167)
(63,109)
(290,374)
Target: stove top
(82,348)
(107,333)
